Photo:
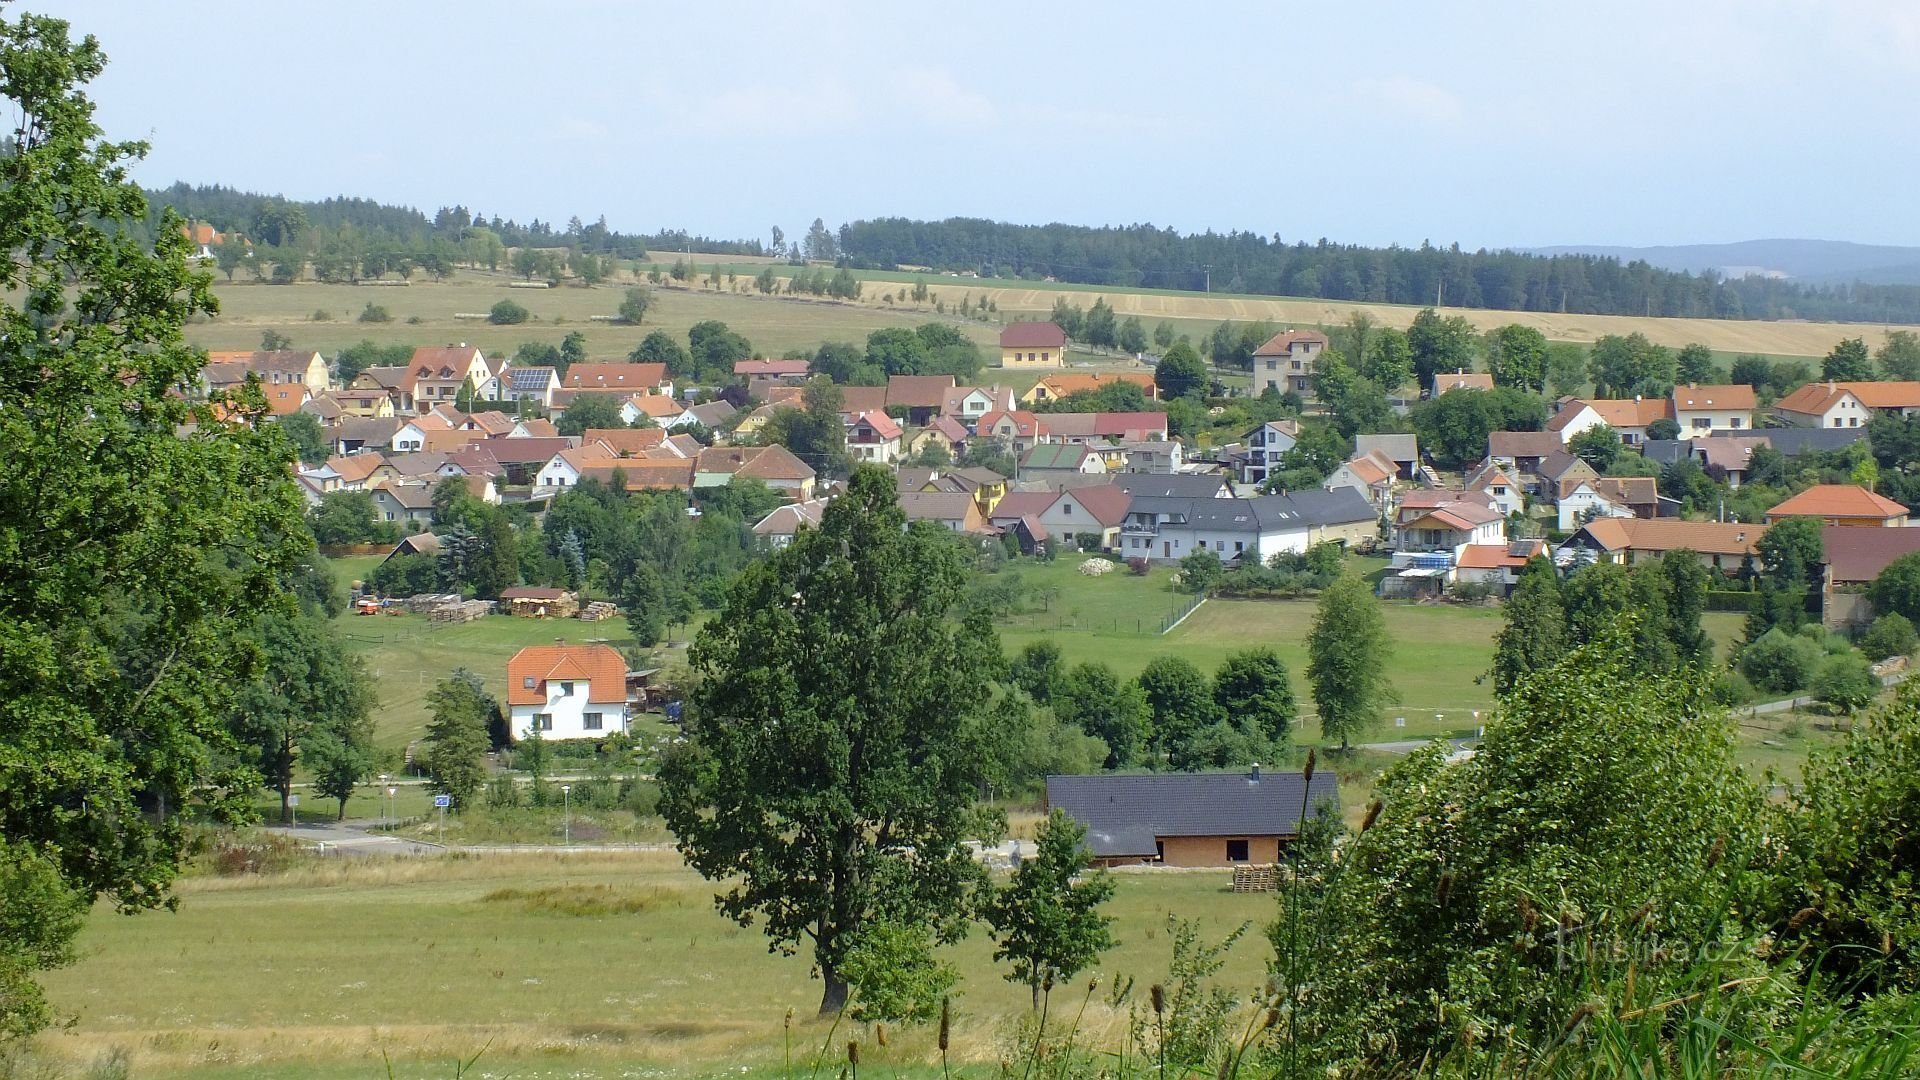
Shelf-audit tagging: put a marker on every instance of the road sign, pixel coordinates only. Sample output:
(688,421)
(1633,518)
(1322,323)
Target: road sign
(443,801)
(293,800)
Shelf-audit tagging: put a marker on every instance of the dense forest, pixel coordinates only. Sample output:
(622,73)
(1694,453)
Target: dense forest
(1242,262)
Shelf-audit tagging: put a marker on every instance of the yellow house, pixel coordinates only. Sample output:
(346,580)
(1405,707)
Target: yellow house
(1033,345)
(1059,386)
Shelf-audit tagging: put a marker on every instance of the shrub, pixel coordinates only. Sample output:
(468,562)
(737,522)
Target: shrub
(1138,566)
(322,315)
(1781,662)
(895,976)
(374,313)
(1845,682)
(507,313)
(1891,634)
(1087,542)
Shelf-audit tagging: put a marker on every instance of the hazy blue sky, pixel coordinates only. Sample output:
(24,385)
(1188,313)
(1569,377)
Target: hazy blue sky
(1517,123)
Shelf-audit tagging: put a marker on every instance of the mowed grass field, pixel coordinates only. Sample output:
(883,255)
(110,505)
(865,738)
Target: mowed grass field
(604,965)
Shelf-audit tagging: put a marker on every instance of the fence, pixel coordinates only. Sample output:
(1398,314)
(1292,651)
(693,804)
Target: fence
(1181,616)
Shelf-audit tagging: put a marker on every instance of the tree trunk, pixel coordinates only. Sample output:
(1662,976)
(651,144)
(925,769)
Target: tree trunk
(286,804)
(833,996)
(1035,987)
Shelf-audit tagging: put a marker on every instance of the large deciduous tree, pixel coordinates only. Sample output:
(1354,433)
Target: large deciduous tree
(309,690)
(456,742)
(1180,372)
(1347,653)
(1440,343)
(132,558)
(1517,357)
(833,756)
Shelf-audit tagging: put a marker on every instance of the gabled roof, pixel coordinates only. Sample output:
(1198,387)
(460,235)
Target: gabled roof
(918,391)
(368,430)
(1074,382)
(1025,424)
(617,375)
(713,413)
(323,408)
(534,451)
(1855,555)
(656,406)
(626,442)
(774,368)
(1461,380)
(354,468)
(1629,412)
(1511,556)
(1431,498)
(683,444)
(1671,534)
(1033,335)
(1463,516)
(859,399)
(1794,441)
(1176,485)
(1372,469)
(1817,398)
(1019,504)
(1727,453)
(974,477)
(775,463)
(936,505)
(1282,343)
(536,428)
(1341,506)
(409,496)
(644,474)
(1519,444)
(1125,813)
(948,428)
(1107,503)
(787,520)
(1736,397)
(998,397)
(1838,500)
(1057,456)
(389,378)
(1559,465)
(530,380)
(884,427)
(456,357)
(1628,490)
(492,422)
(603,670)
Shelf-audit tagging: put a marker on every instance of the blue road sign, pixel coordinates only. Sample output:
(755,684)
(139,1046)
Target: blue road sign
(443,800)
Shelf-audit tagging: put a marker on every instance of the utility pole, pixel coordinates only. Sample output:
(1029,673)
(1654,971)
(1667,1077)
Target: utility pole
(1209,270)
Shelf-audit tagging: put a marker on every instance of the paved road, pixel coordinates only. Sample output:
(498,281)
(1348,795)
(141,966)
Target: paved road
(1408,746)
(351,838)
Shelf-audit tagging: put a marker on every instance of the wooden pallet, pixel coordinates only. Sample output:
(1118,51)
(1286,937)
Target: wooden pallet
(1256,878)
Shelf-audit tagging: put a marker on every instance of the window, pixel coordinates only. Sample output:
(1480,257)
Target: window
(1159,851)
(1066,509)
(566,689)
(590,721)
(1499,489)
(1237,851)
(543,721)
(1734,423)
(529,683)
(1273,365)
(1703,423)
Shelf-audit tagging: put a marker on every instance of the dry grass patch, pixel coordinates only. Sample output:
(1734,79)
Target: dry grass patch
(587,900)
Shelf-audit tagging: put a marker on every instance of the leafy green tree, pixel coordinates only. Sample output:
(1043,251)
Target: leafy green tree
(127,587)
(1347,651)
(357,358)
(1388,359)
(814,432)
(1890,635)
(308,687)
(1899,358)
(507,313)
(1517,357)
(1694,364)
(949,352)
(831,765)
(715,348)
(1791,549)
(498,565)
(590,411)
(1039,670)
(1047,919)
(1107,707)
(897,350)
(1358,405)
(1897,590)
(1101,328)
(1781,661)
(1566,368)
(1534,636)
(1163,336)
(1629,366)
(1440,343)
(989,453)
(1664,428)
(341,756)
(1685,596)
(1848,362)
(1598,446)
(1201,570)
(309,441)
(660,347)
(456,741)
(1133,336)
(1454,426)
(847,365)
(1181,372)
(1180,699)
(1253,690)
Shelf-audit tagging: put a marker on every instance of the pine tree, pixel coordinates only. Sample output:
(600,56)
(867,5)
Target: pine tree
(456,742)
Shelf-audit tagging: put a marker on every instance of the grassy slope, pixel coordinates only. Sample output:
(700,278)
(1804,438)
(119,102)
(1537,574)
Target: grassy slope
(325,966)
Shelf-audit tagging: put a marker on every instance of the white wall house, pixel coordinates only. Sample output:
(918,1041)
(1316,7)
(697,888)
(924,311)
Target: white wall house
(1169,529)
(1584,503)
(567,691)
(1701,410)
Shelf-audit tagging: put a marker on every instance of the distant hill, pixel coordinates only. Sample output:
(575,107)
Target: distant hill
(1815,262)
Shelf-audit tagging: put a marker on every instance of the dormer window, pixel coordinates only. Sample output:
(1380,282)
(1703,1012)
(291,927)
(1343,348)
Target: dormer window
(529,683)
(566,689)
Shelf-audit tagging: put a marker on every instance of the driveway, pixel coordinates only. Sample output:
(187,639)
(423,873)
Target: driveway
(351,838)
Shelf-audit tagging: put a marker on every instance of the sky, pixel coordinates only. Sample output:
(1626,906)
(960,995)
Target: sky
(1482,123)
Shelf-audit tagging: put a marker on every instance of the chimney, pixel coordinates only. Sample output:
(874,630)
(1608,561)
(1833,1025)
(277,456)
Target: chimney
(1254,776)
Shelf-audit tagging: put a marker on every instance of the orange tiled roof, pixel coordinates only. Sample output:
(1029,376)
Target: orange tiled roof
(599,666)
(1838,500)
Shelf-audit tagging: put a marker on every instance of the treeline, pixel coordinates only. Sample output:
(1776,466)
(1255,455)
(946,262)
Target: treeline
(1142,256)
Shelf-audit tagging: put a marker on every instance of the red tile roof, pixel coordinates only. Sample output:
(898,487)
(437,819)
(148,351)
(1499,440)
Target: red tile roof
(1033,335)
(918,391)
(1838,500)
(1737,397)
(1856,555)
(1817,398)
(619,375)
(1282,343)
(599,666)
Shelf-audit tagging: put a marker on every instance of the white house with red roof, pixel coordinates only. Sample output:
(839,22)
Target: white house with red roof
(439,373)
(875,437)
(567,691)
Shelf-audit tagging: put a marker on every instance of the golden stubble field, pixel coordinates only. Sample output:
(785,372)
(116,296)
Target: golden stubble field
(777,324)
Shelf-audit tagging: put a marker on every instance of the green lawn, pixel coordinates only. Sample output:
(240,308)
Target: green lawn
(314,972)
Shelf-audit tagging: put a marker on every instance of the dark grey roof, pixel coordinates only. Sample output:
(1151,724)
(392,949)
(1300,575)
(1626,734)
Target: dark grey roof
(1341,506)
(1666,451)
(1221,515)
(1172,485)
(1397,447)
(1125,814)
(1796,441)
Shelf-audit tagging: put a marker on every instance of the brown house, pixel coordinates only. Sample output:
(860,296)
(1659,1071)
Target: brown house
(1191,819)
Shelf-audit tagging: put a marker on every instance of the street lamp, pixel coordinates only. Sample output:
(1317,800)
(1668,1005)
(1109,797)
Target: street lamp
(383,803)
(566,814)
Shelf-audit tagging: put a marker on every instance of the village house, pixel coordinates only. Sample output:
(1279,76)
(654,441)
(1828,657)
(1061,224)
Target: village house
(1847,404)
(1019,429)
(366,403)
(1495,565)
(1841,504)
(951,510)
(282,367)
(968,404)
(1371,475)
(1057,459)
(632,376)
(404,503)
(793,372)
(565,468)
(1285,363)
(1443,521)
(1628,417)
(1033,345)
(1501,489)
(710,415)
(1152,455)
(1095,512)
(439,374)
(875,437)
(641,474)
(1582,499)
(783,523)
(1264,447)
(1050,387)
(567,692)
(522,459)
(919,398)
(1523,451)
(776,466)
(1174,485)
(535,385)
(1192,819)
(1726,458)
(1169,529)
(1703,410)
(1446,382)
(944,432)
(1721,546)
(982,485)
(1102,427)
(1402,450)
